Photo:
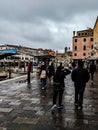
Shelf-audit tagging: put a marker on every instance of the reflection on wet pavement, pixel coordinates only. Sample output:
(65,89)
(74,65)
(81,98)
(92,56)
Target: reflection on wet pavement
(26,107)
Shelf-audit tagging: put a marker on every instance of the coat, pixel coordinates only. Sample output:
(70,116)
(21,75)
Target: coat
(80,76)
(59,76)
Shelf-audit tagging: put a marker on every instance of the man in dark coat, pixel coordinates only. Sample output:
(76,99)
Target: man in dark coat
(58,85)
(80,77)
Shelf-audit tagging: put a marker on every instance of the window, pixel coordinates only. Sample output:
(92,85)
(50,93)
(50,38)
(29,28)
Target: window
(75,40)
(84,47)
(91,46)
(84,39)
(78,34)
(91,39)
(92,54)
(91,33)
(75,54)
(26,58)
(84,54)
(75,48)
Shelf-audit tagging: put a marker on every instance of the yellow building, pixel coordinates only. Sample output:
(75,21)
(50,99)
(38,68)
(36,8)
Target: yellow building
(96,37)
(96,33)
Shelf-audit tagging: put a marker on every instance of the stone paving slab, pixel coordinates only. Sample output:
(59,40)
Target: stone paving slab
(24,107)
(25,120)
(2,128)
(6,110)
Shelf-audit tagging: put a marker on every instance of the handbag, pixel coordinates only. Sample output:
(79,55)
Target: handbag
(43,74)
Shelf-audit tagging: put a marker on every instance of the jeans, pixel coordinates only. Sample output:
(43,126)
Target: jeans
(43,82)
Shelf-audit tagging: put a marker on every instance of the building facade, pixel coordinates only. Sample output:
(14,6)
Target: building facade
(96,34)
(82,44)
(96,38)
(85,43)
(24,54)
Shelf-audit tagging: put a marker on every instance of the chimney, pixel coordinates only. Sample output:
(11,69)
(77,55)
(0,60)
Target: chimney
(73,33)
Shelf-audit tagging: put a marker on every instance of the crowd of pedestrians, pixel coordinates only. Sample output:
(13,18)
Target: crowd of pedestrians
(80,75)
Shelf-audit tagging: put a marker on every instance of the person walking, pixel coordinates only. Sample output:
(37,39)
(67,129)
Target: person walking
(92,70)
(80,76)
(51,71)
(58,86)
(43,75)
(29,70)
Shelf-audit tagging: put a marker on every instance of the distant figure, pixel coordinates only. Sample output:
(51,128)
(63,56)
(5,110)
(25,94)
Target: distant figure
(43,75)
(51,71)
(80,77)
(59,85)
(29,70)
(92,70)
(60,67)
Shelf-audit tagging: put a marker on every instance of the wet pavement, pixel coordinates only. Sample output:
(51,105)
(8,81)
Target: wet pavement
(27,107)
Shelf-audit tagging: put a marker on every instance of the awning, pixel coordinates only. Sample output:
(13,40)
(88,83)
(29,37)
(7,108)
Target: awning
(92,58)
(7,52)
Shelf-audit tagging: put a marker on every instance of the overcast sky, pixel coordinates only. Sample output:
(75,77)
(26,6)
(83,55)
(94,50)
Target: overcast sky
(47,24)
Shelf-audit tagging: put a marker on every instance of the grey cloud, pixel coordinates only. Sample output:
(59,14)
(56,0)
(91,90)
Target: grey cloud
(45,23)
(27,10)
